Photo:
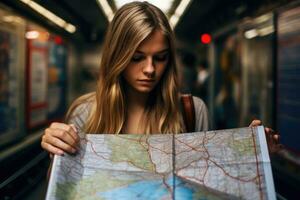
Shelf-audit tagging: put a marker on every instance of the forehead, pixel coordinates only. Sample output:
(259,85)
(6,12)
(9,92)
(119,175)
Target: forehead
(155,42)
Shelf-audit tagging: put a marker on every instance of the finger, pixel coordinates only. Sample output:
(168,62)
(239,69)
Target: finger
(74,127)
(267,130)
(276,138)
(255,123)
(51,149)
(60,144)
(64,136)
(270,131)
(75,136)
(269,139)
(71,130)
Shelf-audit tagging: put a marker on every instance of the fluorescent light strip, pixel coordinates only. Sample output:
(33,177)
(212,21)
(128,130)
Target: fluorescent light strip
(259,32)
(178,12)
(251,34)
(106,9)
(173,19)
(12,19)
(164,5)
(266,30)
(51,16)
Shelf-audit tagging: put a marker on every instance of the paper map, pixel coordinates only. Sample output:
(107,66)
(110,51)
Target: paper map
(224,164)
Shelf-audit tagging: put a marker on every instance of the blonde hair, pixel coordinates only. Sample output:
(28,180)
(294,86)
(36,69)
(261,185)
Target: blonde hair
(132,24)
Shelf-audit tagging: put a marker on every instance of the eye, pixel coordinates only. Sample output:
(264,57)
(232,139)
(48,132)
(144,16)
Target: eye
(137,58)
(161,57)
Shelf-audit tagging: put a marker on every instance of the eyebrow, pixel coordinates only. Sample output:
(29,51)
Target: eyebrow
(162,51)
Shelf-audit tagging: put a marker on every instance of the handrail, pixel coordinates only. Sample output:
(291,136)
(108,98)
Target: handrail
(29,140)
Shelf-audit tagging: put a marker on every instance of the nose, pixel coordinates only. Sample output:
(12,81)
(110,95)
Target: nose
(149,68)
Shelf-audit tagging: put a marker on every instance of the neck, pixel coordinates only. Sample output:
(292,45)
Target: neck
(136,100)
(136,103)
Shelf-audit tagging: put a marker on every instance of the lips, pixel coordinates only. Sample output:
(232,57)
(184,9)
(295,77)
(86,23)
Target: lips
(146,80)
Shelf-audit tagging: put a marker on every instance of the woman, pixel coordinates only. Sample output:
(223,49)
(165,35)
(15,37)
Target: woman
(137,90)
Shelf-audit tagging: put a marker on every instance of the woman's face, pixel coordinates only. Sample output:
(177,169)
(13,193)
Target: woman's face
(148,63)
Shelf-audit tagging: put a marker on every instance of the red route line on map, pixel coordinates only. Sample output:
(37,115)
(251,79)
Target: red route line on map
(191,147)
(80,163)
(217,165)
(70,168)
(147,148)
(163,176)
(189,164)
(206,160)
(139,140)
(144,140)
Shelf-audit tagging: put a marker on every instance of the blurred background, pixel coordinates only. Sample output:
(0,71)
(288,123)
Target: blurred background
(242,57)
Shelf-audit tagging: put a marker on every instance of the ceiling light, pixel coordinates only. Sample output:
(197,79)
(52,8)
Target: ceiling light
(263,18)
(32,35)
(8,18)
(164,5)
(266,30)
(51,16)
(178,12)
(70,28)
(105,7)
(12,19)
(251,33)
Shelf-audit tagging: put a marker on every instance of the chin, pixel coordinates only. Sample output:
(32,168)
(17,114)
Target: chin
(144,89)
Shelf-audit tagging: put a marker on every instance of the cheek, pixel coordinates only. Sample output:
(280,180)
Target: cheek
(130,72)
(160,69)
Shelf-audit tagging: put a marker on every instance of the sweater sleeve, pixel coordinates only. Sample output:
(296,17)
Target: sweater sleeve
(201,115)
(79,116)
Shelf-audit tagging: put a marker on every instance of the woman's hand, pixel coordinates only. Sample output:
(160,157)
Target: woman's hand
(60,138)
(271,136)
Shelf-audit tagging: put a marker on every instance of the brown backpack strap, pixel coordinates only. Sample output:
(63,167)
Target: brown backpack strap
(188,112)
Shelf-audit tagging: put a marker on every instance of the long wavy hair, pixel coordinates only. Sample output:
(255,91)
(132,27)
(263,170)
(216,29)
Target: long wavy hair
(132,24)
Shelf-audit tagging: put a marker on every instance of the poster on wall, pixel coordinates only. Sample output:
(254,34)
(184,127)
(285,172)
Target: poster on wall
(46,75)
(8,82)
(11,79)
(37,79)
(288,73)
(57,79)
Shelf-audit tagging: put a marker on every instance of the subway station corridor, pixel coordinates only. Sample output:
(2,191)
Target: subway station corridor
(240,60)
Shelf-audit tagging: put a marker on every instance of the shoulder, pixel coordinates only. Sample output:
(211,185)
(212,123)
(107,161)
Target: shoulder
(84,102)
(201,115)
(198,103)
(80,109)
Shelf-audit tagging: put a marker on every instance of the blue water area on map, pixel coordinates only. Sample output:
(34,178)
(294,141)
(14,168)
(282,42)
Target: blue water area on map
(151,190)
